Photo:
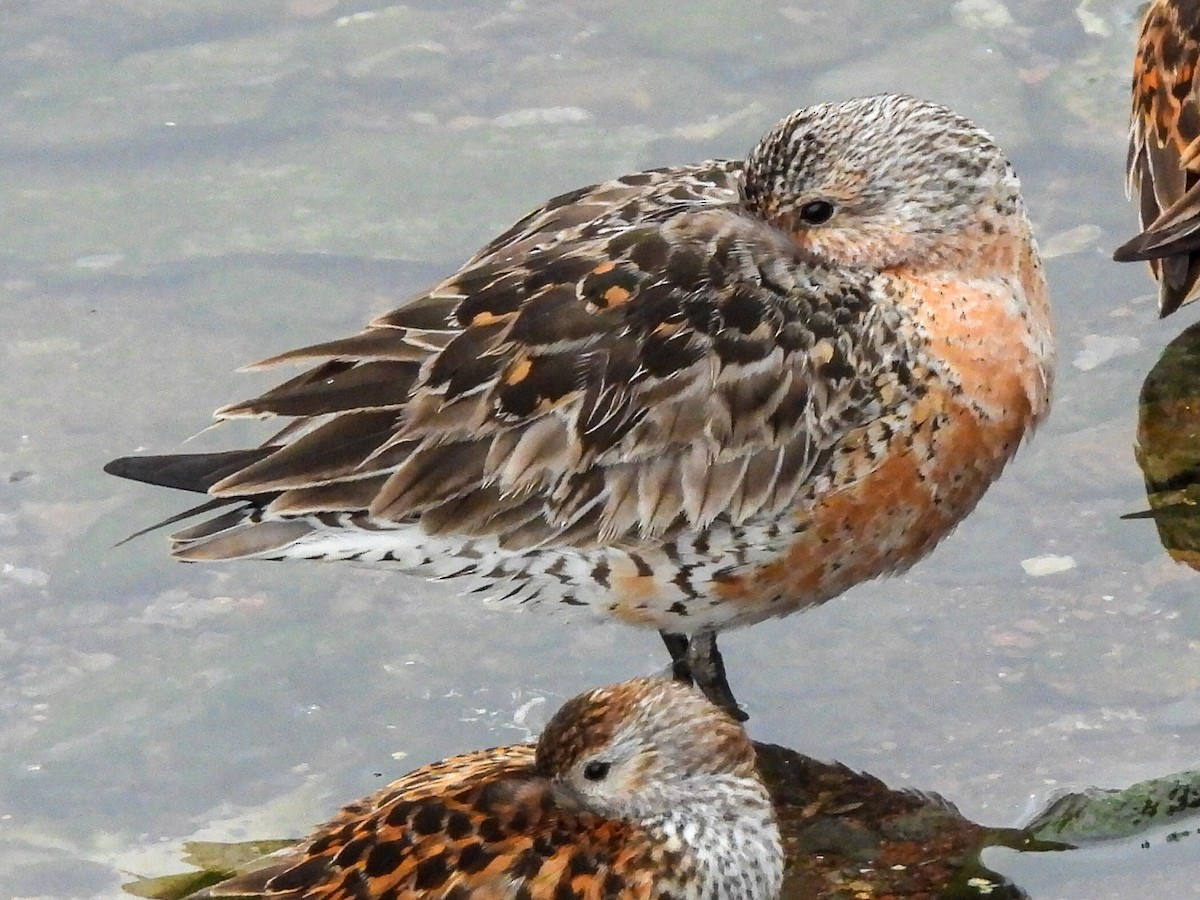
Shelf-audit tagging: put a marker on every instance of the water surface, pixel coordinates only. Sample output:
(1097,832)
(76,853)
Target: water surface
(188,187)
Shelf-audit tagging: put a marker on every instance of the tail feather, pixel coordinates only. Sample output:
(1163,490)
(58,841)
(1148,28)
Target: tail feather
(247,539)
(195,472)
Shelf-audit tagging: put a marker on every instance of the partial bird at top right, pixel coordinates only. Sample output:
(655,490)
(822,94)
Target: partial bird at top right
(1163,168)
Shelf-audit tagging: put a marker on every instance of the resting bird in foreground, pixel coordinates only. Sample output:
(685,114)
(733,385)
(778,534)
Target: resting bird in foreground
(636,791)
(1163,167)
(691,398)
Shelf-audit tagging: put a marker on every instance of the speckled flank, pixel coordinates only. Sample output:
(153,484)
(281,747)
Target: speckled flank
(1164,150)
(690,398)
(902,483)
(638,791)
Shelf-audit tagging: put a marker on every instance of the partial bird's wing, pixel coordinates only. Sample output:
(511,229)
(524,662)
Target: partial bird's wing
(482,826)
(630,360)
(1164,150)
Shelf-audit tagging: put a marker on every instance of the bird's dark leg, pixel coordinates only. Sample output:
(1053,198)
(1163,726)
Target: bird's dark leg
(696,660)
(707,670)
(677,646)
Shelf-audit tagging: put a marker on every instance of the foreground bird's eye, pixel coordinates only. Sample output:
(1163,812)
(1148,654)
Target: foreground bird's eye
(815,212)
(596,771)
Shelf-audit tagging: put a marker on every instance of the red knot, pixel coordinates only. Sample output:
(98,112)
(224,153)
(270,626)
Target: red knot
(692,398)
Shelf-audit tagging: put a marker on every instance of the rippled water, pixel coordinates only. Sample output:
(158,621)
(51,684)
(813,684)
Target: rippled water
(188,187)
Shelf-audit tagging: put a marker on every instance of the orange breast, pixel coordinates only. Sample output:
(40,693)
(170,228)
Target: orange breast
(988,357)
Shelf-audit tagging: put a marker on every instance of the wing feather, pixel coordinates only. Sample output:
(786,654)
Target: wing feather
(483,826)
(629,361)
(1163,162)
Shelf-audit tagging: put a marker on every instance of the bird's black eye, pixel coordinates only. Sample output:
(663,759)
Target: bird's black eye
(816,212)
(596,771)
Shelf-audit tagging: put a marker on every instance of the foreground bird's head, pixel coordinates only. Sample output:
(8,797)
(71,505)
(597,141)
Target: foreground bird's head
(639,749)
(881,182)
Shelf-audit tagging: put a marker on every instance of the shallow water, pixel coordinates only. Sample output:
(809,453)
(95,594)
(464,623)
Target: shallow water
(188,187)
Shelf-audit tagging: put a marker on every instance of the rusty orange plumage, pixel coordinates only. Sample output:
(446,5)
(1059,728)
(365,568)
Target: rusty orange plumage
(637,791)
(1163,166)
(691,398)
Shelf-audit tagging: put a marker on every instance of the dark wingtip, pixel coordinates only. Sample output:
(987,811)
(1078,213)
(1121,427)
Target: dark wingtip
(1175,262)
(1179,239)
(126,466)
(178,517)
(1128,252)
(1147,246)
(195,472)
(1168,305)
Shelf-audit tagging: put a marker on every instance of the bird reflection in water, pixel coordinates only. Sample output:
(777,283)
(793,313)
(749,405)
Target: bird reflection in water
(1168,446)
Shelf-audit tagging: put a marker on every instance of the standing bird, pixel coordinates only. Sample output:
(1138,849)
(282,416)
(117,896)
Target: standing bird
(691,398)
(636,791)
(1163,166)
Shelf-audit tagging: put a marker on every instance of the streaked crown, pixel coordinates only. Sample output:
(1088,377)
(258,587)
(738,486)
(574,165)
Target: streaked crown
(877,181)
(633,749)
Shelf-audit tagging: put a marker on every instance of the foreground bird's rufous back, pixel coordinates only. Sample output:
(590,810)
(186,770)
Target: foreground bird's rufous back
(636,791)
(691,398)
(1163,167)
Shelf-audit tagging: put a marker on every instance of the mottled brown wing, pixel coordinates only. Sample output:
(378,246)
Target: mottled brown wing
(612,205)
(486,838)
(629,361)
(447,777)
(455,773)
(1164,150)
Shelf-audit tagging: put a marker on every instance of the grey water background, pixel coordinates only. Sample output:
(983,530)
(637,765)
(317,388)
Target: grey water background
(186,187)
